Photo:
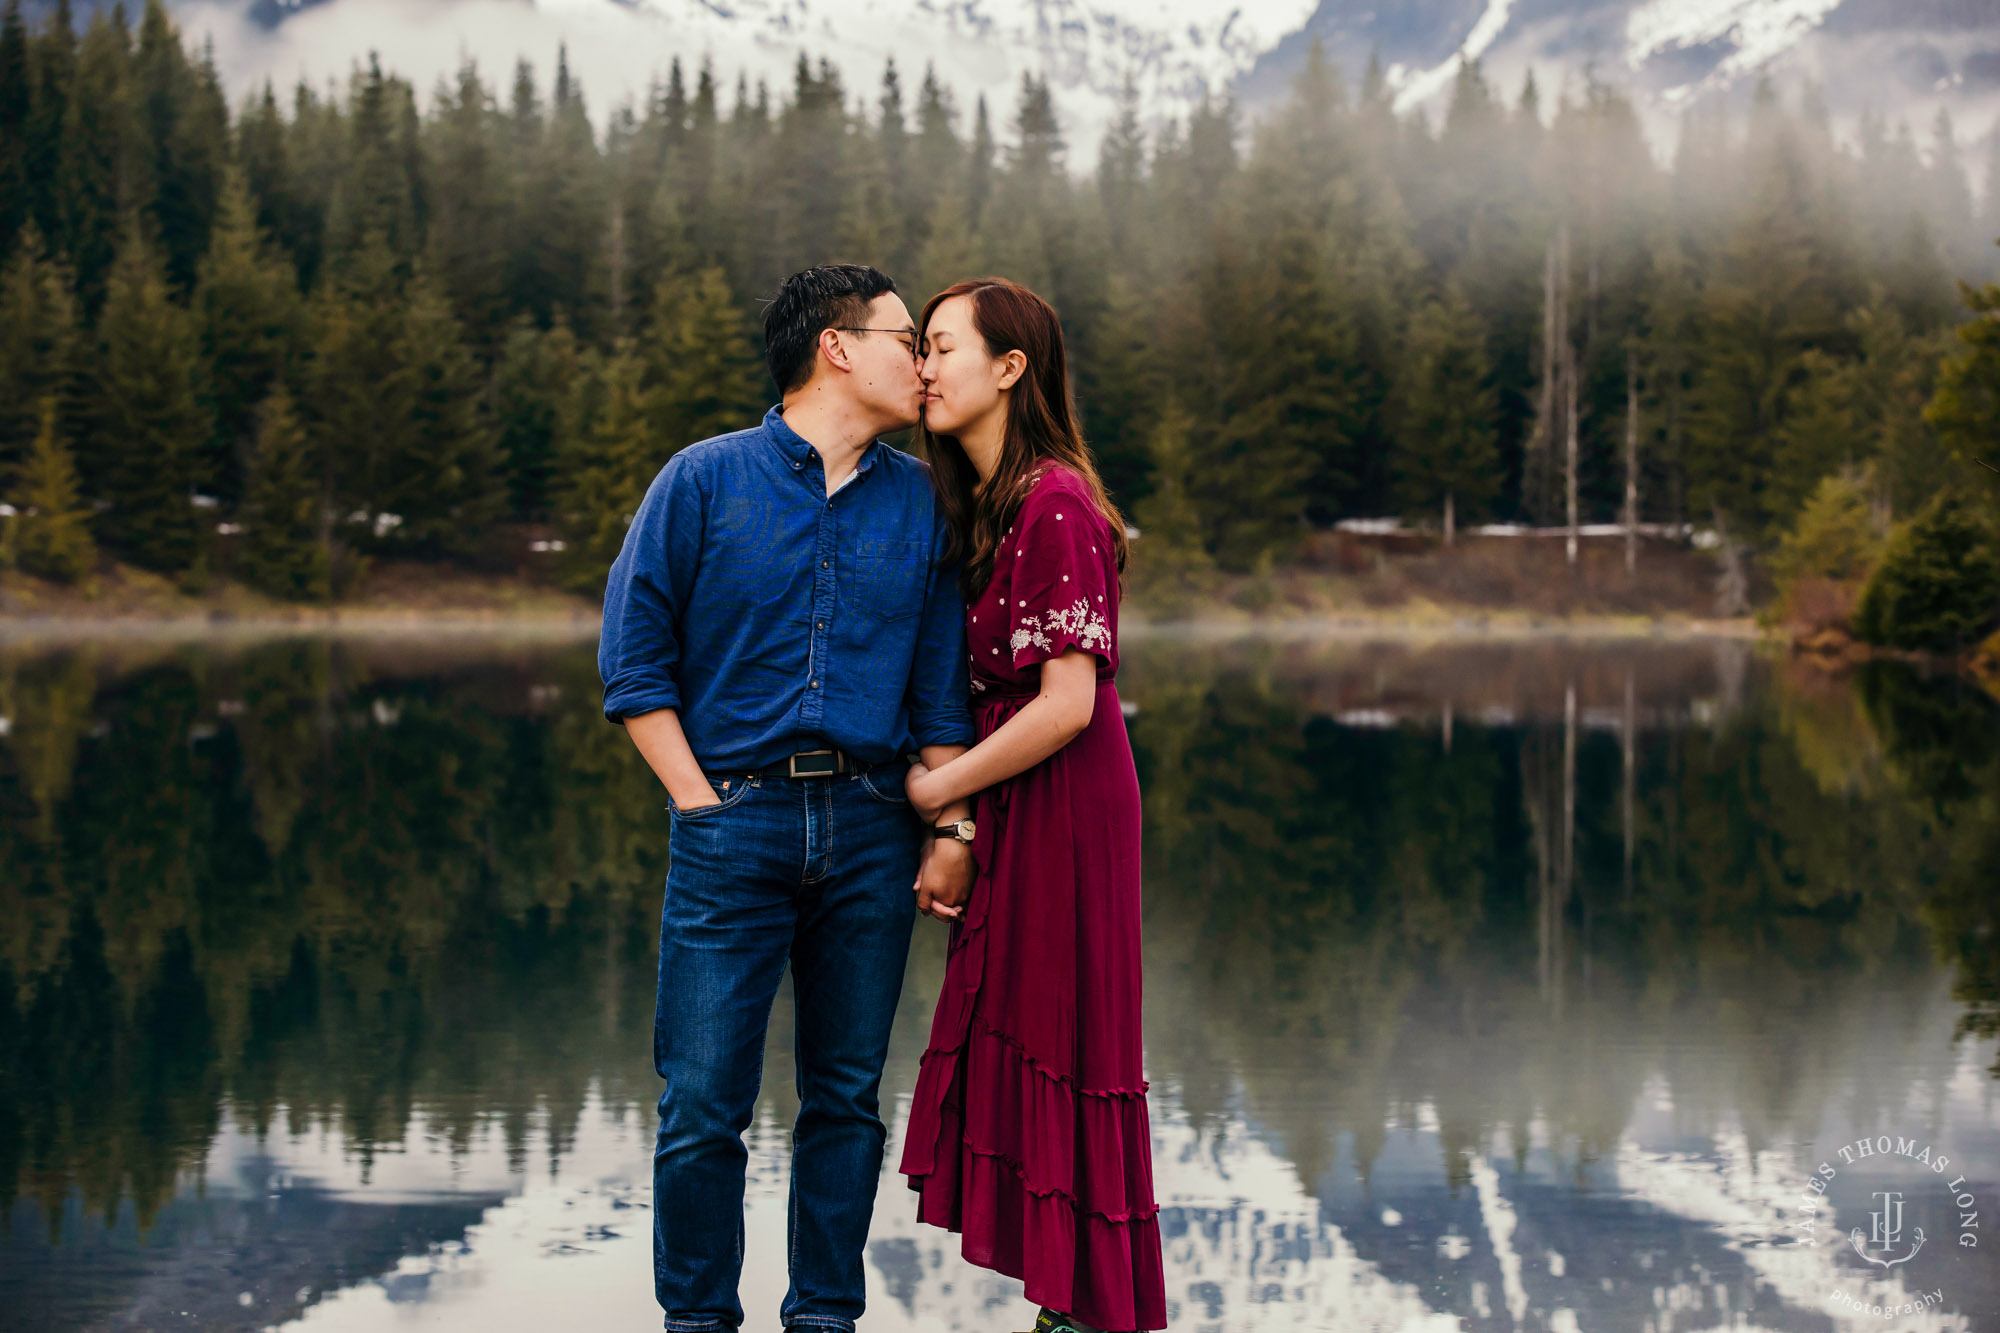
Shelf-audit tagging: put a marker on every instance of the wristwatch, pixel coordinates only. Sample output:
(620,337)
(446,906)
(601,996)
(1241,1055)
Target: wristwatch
(961,831)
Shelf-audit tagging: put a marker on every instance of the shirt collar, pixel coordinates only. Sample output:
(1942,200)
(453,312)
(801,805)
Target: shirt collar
(798,450)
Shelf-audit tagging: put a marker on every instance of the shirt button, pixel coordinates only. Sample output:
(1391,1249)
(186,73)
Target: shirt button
(822,564)
(820,625)
(815,684)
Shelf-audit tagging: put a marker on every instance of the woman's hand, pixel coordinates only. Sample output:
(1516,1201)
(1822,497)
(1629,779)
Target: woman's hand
(920,786)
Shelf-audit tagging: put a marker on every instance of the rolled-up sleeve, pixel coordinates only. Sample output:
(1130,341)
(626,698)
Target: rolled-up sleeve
(938,687)
(639,652)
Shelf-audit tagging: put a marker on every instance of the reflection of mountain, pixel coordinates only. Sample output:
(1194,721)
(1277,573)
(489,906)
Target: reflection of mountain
(203,1256)
(1461,1023)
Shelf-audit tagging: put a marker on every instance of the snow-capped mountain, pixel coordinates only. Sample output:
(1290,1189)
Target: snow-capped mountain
(1897,57)
(1900,57)
(1170,51)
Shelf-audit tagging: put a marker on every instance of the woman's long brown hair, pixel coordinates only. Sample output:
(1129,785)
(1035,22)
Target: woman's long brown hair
(1041,427)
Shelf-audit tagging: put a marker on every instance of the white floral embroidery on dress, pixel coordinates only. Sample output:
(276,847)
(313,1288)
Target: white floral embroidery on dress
(1030,633)
(1086,626)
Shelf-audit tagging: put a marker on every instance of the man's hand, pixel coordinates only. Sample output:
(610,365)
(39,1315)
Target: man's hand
(660,739)
(707,798)
(944,881)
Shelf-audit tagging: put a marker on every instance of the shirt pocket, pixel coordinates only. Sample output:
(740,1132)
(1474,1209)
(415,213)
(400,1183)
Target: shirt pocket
(885,579)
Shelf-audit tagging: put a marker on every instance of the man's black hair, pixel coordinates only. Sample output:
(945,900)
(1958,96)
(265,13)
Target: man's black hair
(829,296)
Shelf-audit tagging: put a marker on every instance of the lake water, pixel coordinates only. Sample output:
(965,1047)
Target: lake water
(1492,986)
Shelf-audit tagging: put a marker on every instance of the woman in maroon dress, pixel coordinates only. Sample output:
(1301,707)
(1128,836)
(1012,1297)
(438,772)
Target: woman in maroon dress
(1028,1130)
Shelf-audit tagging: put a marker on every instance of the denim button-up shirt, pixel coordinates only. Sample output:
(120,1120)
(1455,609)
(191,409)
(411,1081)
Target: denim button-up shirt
(777,618)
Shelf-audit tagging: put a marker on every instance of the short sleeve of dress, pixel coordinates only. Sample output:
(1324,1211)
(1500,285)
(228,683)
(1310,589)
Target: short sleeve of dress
(1062,592)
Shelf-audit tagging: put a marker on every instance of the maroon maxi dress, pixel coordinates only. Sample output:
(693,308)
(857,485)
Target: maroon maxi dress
(1028,1128)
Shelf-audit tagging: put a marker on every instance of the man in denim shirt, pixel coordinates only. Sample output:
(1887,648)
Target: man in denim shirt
(781,628)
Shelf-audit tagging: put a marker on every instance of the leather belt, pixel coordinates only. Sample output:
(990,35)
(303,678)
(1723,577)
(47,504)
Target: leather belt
(814,764)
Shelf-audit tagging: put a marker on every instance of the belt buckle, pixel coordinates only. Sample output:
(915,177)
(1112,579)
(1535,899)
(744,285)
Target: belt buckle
(832,764)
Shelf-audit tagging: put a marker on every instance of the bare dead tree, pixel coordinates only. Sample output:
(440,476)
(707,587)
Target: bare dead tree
(1568,360)
(1732,583)
(1631,461)
(1541,444)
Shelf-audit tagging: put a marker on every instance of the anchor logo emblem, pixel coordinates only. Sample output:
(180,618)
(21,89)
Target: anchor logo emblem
(1886,1232)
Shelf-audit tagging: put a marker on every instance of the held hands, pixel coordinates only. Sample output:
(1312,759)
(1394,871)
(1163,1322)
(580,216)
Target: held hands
(944,880)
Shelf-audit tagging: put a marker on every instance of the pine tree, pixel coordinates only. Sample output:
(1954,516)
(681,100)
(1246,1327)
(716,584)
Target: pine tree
(1447,445)
(16,110)
(531,383)
(184,122)
(1966,409)
(149,429)
(442,474)
(285,524)
(357,400)
(898,200)
(1121,167)
(248,307)
(608,453)
(52,67)
(562,213)
(401,432)
(979,165)
(38,348)
(1287,400)
(376,197)
(1119,391)
(53,521)
(100,169)
(1779,291)
(472,208)
(1171,559)
(937,171)
(701,363)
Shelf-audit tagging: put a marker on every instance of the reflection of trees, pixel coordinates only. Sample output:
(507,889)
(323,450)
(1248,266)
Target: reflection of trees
(290,881)
(1347,923)
(1941,737)
(324,889)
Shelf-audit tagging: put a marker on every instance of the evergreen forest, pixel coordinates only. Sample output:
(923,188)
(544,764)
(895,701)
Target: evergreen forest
(281,337)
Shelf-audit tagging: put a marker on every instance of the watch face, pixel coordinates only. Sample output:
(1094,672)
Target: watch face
(966,829)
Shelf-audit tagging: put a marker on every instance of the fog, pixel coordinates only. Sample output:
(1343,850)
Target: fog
(618,48)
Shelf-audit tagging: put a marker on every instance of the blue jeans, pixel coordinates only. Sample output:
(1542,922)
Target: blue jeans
(817,871)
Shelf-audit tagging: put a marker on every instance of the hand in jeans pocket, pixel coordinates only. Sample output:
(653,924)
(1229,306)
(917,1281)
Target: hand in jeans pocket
(718,792)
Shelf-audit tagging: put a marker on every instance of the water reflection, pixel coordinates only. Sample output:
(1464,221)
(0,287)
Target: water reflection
(1517,986)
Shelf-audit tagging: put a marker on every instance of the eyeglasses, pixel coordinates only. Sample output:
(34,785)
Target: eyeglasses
(918,347)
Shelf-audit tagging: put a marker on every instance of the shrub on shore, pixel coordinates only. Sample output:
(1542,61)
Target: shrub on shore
(1937,588)
(1824,559)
